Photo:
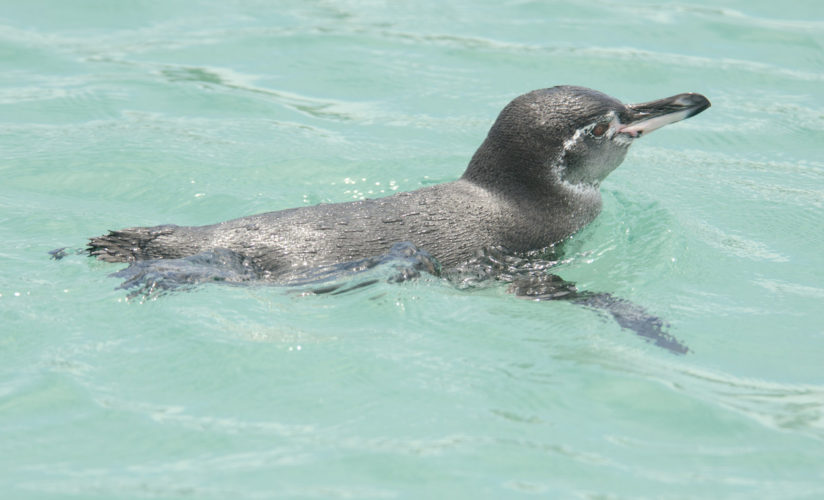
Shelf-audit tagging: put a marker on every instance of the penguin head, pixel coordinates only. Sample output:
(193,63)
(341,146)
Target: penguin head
(570,136)
(586,140)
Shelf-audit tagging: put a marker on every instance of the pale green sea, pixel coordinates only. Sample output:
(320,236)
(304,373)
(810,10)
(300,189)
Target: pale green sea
(116,114)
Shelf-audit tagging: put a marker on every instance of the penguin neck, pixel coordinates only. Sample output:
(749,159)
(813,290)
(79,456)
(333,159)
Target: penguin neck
(528,176)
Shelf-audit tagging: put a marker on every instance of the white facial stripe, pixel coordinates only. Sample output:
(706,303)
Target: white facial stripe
(614,125)
(614,128)
(576,137)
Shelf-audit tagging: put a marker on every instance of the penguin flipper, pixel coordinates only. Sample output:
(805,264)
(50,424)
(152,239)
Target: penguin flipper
(627,314)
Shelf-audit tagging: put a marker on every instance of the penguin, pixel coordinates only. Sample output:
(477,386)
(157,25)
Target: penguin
(532,183)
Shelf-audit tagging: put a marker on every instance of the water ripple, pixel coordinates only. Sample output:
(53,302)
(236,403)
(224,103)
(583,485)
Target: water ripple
(783,406)
(796,407)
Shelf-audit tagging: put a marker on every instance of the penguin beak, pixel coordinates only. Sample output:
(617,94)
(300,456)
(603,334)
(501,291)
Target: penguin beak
(643,118)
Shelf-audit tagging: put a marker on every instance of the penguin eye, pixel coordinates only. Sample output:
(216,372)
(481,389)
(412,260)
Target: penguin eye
(600,129)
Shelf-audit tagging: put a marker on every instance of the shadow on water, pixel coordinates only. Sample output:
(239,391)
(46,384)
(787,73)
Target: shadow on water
(526,275)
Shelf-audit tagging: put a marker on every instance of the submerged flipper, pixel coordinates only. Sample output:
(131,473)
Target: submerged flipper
(627,314)
(528,277)
(632,317)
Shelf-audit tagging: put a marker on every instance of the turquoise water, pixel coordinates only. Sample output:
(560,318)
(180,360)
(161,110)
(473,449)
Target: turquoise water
(116,114)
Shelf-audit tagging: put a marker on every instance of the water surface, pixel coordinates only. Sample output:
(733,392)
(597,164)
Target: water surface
(116,115)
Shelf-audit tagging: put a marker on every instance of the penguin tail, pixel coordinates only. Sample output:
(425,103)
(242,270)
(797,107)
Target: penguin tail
(127,245)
